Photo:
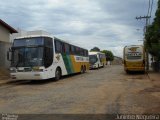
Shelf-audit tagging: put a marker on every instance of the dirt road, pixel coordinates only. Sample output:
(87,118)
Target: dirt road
(107,90)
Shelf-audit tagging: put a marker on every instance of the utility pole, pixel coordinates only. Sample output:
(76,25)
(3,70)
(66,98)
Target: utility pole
(145,30)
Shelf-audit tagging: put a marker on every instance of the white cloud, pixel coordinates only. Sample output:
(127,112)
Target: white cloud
(107,24)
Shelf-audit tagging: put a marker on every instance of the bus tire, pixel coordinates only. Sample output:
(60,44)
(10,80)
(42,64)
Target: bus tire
(58,74)
(127,71)
(143,71)
(98,67)
(82,69)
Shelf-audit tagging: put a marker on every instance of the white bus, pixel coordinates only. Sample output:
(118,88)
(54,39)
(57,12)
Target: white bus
(97,59)
(41,57)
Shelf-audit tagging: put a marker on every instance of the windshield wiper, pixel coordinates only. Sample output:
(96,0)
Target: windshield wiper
(20,59)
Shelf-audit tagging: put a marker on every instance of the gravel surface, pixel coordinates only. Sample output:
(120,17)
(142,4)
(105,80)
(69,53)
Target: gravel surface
(107,90)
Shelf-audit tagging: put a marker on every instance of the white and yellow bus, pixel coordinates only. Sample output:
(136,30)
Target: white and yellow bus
(42,57)
(97,59)
(134,58)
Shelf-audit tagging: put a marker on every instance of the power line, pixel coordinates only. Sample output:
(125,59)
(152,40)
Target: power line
(151,10)
(143,17)
(149,6)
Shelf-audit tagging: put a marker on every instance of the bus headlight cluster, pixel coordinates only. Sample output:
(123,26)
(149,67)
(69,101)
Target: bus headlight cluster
(37,69)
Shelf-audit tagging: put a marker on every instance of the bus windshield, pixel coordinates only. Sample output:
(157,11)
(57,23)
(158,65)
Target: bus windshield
(93,59)
(30,52)
(27,57)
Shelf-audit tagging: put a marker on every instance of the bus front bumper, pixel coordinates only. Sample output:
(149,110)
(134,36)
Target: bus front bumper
(135,69)
(28,76)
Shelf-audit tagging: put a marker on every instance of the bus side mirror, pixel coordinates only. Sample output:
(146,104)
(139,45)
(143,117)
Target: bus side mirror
(9,55)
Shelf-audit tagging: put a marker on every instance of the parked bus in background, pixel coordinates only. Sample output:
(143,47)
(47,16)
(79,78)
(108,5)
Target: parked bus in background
(97,59)
(134,58)
(38,57)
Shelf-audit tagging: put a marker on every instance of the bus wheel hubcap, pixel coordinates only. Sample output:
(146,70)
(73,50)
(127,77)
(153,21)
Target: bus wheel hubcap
(57,74)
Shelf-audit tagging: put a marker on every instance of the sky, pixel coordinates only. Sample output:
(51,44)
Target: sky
(106,24)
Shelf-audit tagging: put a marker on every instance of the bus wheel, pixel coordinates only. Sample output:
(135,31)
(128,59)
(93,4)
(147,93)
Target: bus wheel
(58,74)
(143,72)
(98,67)
(82,69)
(127,71)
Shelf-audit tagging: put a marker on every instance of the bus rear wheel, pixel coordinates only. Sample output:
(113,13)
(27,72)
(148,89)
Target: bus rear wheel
(98,67)
(127,71)
(82,69)
(58,74)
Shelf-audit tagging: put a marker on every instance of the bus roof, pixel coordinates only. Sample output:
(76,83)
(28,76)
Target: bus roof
(41,33)
(37,33)
(129,46)
(134,46)
(94,52)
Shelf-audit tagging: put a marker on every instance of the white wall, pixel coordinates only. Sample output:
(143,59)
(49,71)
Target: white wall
(4,34)
(4,46)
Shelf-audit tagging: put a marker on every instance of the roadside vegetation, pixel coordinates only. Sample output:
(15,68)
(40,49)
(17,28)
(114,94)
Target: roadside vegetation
(152,36)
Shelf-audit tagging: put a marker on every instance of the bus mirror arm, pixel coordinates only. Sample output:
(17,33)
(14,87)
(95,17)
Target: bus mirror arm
(10,49)
(9,55)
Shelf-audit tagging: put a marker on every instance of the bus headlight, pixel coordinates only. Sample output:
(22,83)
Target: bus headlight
(37,69)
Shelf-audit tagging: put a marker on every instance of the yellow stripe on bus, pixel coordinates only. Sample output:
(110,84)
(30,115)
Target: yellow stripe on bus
(77,65)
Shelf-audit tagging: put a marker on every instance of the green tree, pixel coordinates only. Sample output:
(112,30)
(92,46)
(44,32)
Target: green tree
(152,35)
(109,55)
(96,49)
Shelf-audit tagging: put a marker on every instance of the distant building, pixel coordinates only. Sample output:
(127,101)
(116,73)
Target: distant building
(5,31)
(117,61)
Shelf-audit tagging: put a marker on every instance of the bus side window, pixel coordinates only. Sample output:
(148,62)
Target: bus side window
(75,50)
(78,51)
(67,48)
(48,56)
(63,47)
(48,52)
(72,50)
(58,46)
(85,53)
(81,52)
